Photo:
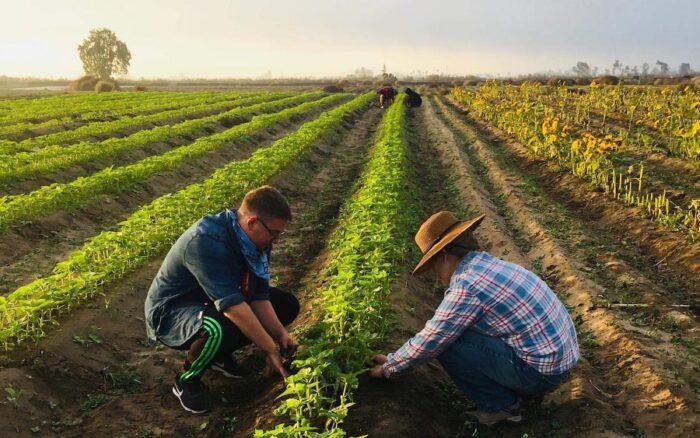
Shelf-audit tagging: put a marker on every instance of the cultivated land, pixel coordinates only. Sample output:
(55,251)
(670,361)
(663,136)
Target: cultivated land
(595,189)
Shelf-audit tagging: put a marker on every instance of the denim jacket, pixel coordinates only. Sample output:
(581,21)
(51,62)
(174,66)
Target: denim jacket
(204,267)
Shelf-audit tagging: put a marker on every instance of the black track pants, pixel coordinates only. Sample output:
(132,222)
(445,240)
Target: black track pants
(219,337)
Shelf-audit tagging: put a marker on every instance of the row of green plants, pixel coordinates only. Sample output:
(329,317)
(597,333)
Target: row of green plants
(588,155)
(11,103)
(76,105)
(27,312)
(67,107)
(8,104)
(117,110)
(367,248)
(26,165)
(196,108)
(112,180)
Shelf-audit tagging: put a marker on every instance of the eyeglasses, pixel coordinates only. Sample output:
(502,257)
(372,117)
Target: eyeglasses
(273,233)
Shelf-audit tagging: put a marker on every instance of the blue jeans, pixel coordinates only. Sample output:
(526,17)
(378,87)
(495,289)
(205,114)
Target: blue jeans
(491,374)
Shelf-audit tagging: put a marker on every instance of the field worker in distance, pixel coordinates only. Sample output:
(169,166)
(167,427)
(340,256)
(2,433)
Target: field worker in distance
(500,333)
(386,95)
(413,99)
(212,295)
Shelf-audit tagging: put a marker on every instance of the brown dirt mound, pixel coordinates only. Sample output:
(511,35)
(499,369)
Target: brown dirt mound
(606,80)
(86,83)
(106,86)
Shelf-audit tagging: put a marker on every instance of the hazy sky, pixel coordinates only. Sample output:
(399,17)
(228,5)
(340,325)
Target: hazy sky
(234,38)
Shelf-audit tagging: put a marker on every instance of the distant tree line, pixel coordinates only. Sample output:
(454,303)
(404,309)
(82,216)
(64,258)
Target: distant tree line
(662,69)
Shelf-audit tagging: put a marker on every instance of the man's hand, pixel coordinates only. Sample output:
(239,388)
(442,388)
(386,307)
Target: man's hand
(273,364)
(376,370)
(288,345)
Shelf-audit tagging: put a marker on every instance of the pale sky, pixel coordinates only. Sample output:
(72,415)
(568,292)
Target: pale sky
(234,38)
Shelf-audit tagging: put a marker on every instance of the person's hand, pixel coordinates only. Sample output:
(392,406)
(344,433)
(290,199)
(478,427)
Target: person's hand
(273,364)
(288,345)
(376,370)
(380,359)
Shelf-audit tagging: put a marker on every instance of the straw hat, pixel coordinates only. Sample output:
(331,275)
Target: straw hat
(438,231)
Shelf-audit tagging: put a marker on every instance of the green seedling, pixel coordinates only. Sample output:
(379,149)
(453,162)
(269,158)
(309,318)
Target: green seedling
(13,395)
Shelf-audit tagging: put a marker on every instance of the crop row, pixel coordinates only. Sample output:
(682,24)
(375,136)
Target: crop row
(82,191)
(664,119)
(572,148)
(19,103)
(95,129)
(31,164)
(368,247)
(79,105)
(26,312)
(132,107)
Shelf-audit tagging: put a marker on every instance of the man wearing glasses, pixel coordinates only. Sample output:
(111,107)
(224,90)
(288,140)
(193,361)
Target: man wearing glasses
(212,295)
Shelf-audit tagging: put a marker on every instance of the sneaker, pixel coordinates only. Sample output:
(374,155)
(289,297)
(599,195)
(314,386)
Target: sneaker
(230,368)
(193,395)
(510,414)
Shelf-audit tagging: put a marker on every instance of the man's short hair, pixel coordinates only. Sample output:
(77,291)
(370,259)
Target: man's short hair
(266,202)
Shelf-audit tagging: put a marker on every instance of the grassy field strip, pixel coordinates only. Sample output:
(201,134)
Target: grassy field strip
(64,107)
(13,104)
(112,180)
(72,109)
(111,127)
(199,105)
(26,312)
(368,248)
(131,108)
(50,159)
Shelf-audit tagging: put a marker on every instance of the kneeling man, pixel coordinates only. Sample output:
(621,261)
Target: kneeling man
(500,332)
(212,295)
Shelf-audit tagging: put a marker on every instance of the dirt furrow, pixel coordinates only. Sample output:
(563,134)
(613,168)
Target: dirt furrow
(647,392)
(120,387)
(576,406)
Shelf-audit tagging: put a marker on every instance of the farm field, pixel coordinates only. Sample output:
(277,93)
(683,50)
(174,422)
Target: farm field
(596,189)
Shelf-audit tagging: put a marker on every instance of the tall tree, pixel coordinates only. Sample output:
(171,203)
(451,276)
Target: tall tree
(617,66)
(582,69)
(645,69)
(103,54)
(663,67)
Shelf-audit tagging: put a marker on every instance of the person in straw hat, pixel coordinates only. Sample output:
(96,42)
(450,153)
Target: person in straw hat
(500,332)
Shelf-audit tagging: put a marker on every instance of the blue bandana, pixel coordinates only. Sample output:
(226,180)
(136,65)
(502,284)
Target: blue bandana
(257,259)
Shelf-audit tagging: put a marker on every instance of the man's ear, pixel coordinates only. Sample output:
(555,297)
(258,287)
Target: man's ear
(248,220)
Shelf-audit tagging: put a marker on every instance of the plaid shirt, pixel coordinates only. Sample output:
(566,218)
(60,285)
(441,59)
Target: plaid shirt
(496,298)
